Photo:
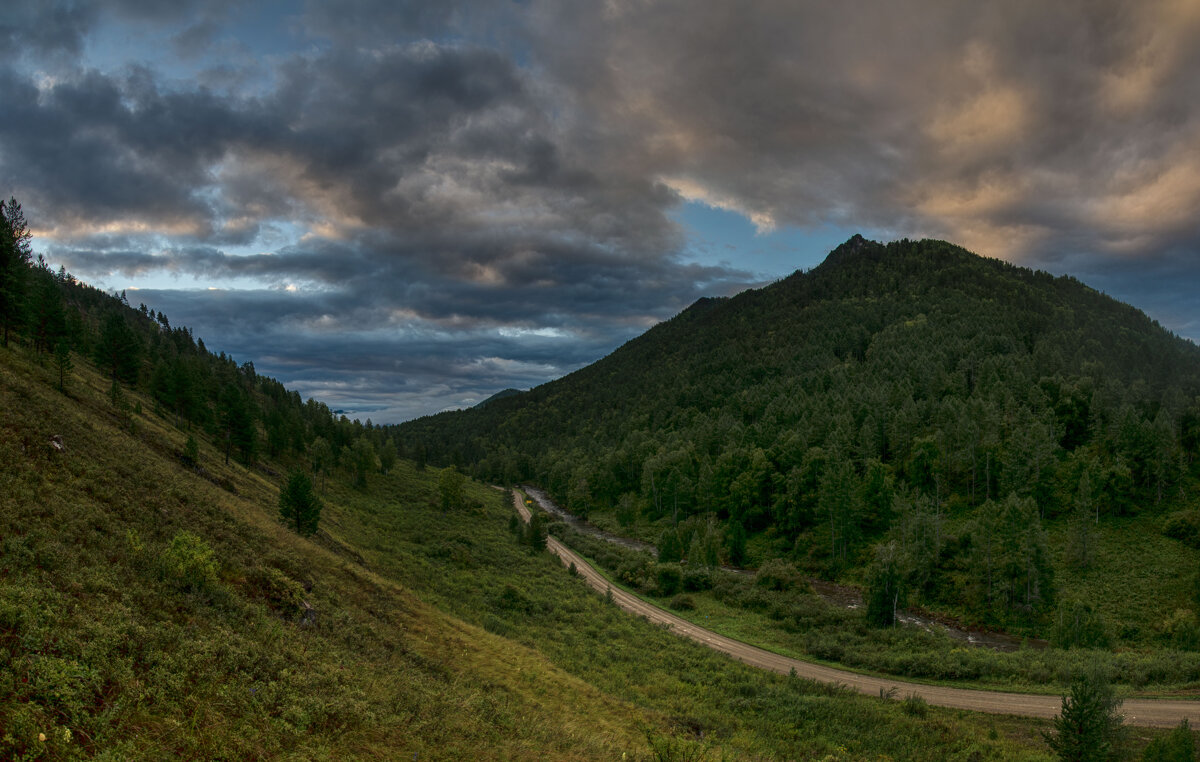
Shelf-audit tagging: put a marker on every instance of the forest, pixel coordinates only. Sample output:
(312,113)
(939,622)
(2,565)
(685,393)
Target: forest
(908,414)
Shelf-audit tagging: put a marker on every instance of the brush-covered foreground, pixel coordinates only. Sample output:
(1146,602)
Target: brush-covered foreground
(150,609)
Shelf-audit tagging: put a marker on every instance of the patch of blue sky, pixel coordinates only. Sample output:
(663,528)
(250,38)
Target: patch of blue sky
(721,237)
(247,35)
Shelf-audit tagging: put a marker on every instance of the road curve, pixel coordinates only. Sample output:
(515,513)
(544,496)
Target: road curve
(1144,712)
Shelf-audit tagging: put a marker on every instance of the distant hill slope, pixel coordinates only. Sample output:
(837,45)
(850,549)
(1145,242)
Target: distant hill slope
(893,392)
(502,394)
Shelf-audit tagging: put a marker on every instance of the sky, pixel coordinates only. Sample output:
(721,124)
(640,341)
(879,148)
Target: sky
(401,207)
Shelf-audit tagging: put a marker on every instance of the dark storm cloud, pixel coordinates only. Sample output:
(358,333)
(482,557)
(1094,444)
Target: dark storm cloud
(46,28)
(476,189)
(333,347)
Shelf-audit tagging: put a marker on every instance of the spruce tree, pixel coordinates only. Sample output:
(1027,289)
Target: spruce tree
(1088,727)
(1177,746)
(62,361)
(299,505)
(15,257)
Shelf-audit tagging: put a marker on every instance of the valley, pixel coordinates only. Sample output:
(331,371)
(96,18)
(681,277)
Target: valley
(1147,712)
(158,600)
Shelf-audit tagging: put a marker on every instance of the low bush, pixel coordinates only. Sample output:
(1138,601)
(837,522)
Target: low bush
(1183,526)
(778,574)
(189,563)
(682,602)
(669,578)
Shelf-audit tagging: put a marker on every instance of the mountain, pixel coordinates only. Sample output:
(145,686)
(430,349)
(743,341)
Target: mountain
(502,394)
(154,605)
(893,393)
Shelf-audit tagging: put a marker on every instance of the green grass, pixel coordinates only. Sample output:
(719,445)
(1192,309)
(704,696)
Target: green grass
(109,649)
(1138,578)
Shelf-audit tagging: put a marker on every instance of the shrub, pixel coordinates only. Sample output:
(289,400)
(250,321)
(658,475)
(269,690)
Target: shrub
(1183,526)
(778,574)
(282,593)
(191,452)
(1177,746)
(1182,631)
(914,706)
(682,602)
(189,562)
(697,580)
(669,579)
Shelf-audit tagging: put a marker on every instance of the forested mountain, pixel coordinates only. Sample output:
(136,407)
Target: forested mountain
(909,405)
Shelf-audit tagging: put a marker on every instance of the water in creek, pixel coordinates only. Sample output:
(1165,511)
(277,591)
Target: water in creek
(839,595)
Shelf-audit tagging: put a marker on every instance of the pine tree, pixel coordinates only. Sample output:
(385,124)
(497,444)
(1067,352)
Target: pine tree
(47,319)
(237,424)
(1087,728)
(16,253)
(1177,746)
(885,588)
(387,456)
(62,362)
(670,547)
(535,535)
(737,543)
(118,352)
(450,488)
(299,506)
(363,459)
(321,455)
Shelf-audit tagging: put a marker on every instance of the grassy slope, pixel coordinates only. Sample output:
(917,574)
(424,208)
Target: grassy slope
(110,655)
(136,666)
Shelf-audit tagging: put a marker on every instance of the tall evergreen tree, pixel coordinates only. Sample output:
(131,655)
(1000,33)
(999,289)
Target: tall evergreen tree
(1087,729)
(46,318)
(16,253)
(237,423)
(62,362)
(118,350)
(299,506)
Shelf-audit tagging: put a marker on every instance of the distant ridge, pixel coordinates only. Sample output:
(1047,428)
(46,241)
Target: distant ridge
(499,396)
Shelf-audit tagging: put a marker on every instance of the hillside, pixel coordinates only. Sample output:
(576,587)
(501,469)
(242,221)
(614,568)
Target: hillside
(964,425)
(153,604)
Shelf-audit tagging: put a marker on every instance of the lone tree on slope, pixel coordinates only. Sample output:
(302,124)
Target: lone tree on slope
(299,505)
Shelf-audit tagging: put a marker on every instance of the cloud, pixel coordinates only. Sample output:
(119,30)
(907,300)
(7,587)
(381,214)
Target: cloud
(480,189)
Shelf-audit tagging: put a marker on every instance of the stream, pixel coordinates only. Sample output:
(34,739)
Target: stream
(838,595)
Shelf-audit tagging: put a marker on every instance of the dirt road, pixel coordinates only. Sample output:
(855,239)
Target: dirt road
(1147,712)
